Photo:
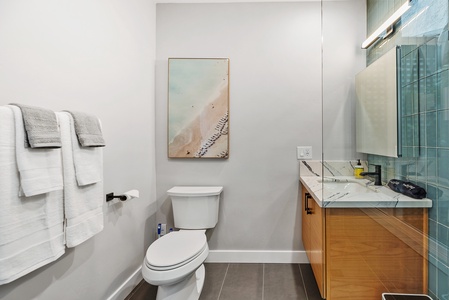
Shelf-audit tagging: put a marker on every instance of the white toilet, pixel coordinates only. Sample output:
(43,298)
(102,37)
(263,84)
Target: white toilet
(175,262)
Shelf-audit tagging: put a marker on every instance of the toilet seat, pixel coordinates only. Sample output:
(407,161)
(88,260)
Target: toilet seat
(175,250)
(173,257)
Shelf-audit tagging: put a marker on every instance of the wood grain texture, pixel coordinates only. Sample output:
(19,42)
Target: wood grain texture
(371,251)
(314,239)
(368,251)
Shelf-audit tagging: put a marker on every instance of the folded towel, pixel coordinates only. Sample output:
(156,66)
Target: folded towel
(83,205)
(40,126)
(40,169)
(407,188)
(88,130)
(88,161)
(31,229)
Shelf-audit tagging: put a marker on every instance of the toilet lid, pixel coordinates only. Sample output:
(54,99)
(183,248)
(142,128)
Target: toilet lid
(192,191)
(175,249)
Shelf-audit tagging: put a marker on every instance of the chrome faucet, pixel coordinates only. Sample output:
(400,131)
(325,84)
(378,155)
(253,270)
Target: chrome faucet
(376,173)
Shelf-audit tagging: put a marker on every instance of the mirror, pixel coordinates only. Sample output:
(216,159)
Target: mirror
(388,105)
(377,107)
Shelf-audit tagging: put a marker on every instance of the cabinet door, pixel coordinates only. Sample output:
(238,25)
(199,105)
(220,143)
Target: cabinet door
(313,238)
(376,250)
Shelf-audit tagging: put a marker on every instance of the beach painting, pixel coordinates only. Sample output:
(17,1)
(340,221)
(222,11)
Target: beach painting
(198,107)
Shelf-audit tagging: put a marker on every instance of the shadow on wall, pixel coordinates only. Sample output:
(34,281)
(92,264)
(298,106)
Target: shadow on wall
(32,285)
(118,281)
(167,209)
(298,219)
(148,237)
(149,234)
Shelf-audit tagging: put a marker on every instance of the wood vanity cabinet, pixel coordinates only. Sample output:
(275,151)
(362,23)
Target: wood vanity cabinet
(313,224)
(360,253)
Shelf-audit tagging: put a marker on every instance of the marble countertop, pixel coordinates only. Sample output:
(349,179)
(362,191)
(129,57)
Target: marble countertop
(348,192)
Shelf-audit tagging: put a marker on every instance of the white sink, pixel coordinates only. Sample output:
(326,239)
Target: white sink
(347,186)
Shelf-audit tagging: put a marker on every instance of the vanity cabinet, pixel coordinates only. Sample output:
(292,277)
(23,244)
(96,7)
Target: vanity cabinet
(360,253)
(313,237)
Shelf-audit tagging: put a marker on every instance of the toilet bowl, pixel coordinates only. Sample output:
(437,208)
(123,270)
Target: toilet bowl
(174,262)
(171,263)
(172,257)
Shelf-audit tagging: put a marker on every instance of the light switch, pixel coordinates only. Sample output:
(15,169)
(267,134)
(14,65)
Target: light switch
(304,152)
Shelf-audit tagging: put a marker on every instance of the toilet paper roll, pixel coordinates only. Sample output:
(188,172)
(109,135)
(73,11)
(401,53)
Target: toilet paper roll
(131,194)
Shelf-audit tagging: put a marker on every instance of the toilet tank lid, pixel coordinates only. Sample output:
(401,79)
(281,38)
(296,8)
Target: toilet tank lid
(195,190)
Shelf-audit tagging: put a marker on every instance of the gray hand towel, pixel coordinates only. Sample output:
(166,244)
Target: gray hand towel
(41,127)
(87,129)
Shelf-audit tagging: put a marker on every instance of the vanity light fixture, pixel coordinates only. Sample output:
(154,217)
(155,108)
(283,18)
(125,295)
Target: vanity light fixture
(387,25)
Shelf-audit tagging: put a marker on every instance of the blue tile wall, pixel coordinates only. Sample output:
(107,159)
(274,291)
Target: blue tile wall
(422,34)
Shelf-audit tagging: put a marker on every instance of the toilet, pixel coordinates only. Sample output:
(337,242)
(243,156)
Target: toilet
(174,262)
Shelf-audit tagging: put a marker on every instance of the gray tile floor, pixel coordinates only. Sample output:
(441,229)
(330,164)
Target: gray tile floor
(249,282)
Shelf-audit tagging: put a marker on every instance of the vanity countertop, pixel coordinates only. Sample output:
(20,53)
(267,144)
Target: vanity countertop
(348,192)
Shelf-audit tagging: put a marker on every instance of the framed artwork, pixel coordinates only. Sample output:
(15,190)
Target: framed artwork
(198,107)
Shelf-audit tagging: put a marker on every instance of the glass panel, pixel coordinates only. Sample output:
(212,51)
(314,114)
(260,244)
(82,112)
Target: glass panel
(422,35)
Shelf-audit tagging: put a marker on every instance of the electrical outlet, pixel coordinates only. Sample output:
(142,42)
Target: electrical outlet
(304,152)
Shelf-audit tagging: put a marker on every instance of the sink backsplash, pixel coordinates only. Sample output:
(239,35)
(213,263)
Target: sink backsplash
(330,168)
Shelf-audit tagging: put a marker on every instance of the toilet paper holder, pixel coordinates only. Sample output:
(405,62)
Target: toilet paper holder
(111,196)
(126,196)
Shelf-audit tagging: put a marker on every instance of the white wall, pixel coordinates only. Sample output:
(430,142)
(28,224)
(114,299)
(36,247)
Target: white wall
(98,56)
(344,30)
(275,105)
(95,56)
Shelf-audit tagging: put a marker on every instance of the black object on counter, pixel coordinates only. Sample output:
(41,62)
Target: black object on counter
(407,188)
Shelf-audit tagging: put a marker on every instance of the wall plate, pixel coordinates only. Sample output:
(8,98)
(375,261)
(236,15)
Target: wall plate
(304,152)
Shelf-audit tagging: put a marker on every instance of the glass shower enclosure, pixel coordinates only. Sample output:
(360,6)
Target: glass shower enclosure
(414,241)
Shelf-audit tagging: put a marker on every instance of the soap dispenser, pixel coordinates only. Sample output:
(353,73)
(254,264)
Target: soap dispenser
(358,168)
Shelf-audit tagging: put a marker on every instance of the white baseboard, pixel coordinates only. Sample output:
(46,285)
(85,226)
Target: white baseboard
(130,283)
(245,256)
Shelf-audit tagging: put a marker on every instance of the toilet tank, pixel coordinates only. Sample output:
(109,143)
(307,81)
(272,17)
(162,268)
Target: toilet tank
(195,207)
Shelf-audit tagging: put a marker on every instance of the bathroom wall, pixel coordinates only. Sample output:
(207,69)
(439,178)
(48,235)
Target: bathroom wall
(343,30)
(98,57)
(275,105)
(423,36)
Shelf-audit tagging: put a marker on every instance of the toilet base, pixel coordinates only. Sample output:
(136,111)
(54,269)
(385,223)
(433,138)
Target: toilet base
(188,289)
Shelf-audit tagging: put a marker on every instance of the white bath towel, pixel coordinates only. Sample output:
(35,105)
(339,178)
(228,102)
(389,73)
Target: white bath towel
(40,169)
(83,205)
(31,228)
